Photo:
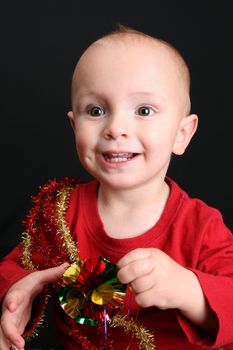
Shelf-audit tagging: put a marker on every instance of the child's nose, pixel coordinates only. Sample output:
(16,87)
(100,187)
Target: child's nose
(116,127)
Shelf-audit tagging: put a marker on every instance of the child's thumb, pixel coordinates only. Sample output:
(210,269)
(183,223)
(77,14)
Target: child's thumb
(53,274)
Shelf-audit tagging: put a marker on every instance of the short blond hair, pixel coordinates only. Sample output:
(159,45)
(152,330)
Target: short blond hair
(122,31)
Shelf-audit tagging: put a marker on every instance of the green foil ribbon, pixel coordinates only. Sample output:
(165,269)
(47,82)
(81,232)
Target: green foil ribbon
(91,292)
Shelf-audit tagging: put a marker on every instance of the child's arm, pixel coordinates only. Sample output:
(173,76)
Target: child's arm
(17,305)
(157,280)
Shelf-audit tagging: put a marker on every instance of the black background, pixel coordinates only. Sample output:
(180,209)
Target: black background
(40,42)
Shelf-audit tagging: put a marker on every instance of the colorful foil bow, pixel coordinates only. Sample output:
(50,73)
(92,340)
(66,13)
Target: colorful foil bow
(91,293)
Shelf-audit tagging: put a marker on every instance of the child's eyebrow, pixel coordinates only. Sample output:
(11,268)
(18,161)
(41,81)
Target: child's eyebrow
(87,93)
(147,94)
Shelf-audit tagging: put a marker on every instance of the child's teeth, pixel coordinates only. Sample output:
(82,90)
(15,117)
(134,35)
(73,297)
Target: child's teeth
(118,157)
(115,160)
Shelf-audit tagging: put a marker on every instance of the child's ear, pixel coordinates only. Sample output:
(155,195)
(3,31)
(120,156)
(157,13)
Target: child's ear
(70,115)
(187,129)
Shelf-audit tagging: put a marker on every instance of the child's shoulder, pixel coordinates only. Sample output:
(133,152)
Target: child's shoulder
(192,207)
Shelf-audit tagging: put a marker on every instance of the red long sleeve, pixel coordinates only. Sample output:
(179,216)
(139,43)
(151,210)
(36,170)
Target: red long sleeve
(11,271)
(189,231)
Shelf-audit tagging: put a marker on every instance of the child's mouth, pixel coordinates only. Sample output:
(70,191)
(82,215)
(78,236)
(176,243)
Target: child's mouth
(118,157)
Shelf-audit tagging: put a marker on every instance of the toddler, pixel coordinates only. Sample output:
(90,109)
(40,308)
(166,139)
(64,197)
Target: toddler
(130,113)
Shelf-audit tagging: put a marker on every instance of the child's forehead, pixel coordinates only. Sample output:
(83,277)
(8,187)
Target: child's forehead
(125,46)
(129,45)
(129,48)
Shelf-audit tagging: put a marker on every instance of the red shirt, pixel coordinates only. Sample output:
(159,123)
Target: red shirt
(189,231)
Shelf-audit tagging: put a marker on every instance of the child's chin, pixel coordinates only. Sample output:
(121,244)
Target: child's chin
(119,182)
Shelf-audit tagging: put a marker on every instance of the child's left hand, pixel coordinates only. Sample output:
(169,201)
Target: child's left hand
(156,279)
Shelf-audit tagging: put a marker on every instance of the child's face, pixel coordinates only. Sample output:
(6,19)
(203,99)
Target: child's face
(129,112)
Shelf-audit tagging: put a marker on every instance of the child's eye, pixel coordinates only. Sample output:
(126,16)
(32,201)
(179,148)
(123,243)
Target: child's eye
(96,111)
(144,111)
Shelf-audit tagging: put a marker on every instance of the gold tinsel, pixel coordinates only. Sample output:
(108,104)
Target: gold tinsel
(26,255)
(142,334)
(145,338)
(63,229)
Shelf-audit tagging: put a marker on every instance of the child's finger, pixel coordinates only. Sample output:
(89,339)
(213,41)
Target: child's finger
(146,299)
(52,274)
(136,254)
(143,284)
(4,343)
(137,268)
(13,347)
(10,331)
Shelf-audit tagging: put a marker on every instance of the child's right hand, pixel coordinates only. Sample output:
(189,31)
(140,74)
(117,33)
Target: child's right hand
(17,305)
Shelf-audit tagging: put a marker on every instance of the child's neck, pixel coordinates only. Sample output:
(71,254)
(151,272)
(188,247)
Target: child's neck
(129,213)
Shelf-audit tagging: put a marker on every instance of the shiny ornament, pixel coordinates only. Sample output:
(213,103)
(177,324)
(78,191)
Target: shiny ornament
(91,292)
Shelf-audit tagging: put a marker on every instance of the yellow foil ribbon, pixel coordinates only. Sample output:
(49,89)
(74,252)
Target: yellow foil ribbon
(103,294)
(72,272)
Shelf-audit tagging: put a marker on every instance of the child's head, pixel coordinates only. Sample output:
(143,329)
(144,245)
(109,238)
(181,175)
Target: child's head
(130,101)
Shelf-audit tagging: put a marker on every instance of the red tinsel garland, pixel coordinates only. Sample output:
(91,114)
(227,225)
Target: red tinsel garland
(47,246)
(47,242)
